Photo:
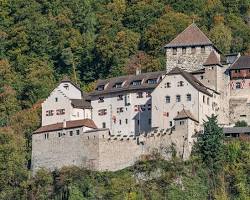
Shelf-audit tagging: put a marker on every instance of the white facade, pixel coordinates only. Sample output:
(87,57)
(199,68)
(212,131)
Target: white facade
(127,116)
(58,106)
(170,97)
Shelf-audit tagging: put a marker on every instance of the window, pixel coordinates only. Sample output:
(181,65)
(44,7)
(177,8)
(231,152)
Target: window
(101,100)
(168,84)
(180,84)
(243,116)
(138,122)
(126,121)
(46,136)
(184,50)
(56,99)
(66,86)
(103,125)
(238,85)
(202,49)
(59,134)
(237,71)
(202,77)
(49,112)
(152,81)
(193,50)
(137,82)
(203,99)
(139,95)
(174,51)
(149,121)
(208,101)
(60,112)
(178,98)
(182,122)
(119,97)
(148,94)
(143,107)
(189,97)
(170,123)
(100,87)
(117,85)
(119,110)
(167,98)
(120,122)
(102,112)
(77,132)
(149,106)
(71,133)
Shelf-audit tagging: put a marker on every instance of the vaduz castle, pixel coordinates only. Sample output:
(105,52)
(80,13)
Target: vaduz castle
(127,118)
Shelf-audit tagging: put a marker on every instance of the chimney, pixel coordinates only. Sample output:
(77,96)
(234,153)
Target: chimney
(64,123)
(138,71)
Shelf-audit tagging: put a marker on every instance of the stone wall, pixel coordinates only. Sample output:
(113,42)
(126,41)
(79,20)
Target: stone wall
(188,61)
(98,150)
(239,109)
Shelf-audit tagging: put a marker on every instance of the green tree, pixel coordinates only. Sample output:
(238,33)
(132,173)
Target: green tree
(221,36)
(241,124)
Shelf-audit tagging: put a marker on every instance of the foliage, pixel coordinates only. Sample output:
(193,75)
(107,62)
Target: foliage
(241,124)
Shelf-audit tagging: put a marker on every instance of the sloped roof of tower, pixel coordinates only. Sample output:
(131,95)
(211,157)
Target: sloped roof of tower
(184,114)
(191,36)
(212,60)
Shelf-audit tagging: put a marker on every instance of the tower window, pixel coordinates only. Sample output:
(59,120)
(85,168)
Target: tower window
(174,51)
(103,125)
(193,50)
(184,50)
(202,49)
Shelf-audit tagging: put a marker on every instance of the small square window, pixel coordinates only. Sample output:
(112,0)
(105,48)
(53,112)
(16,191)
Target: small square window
(77,132)
(167,98)
(71,133)
(178,98)
(184,50)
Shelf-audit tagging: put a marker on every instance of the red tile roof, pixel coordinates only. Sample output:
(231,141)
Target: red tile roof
(69,124)
(191,36)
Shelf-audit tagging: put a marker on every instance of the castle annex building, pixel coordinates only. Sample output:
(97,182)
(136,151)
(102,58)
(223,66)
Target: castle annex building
(128,117)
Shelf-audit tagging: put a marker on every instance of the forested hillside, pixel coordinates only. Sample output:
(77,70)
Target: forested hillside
(43,40)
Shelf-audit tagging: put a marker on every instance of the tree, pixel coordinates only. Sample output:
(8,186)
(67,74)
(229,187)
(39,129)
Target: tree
(241,124)
(221,35)
(210,144)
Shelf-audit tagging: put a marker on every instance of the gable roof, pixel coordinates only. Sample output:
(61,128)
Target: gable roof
(126,83)
(243,62)
(191,36)
(184,114)
(69,124)
(191,79)
(212,60)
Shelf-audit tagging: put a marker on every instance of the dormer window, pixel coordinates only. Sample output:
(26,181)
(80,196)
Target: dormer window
(100,87)
(117,85)
(137,82)
(66,86)
(152,81)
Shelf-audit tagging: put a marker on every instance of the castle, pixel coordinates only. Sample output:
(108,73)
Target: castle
(126,118)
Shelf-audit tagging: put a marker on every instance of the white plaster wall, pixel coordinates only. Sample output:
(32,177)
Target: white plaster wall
(159,105)
(72,92)
(111,104)
(50,104)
